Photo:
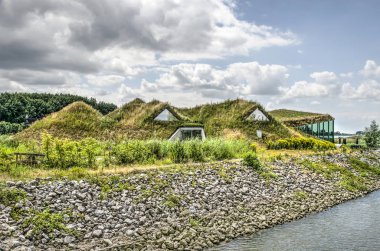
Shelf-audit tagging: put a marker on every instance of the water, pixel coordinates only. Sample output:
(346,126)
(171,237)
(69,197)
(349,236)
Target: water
(354,225)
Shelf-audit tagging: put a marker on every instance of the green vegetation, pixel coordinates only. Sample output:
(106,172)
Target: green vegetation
(10,128)
(284,114)
(298,118)
(138,151)
(301,143)
(10,196)
(18,108)
(194,223)
(268,175)
(65,153)
(46,222)
(372,135)
(348,179)
(363,167)
(252,161)
(228,119)
(172,200)
(301,195)
(77,121)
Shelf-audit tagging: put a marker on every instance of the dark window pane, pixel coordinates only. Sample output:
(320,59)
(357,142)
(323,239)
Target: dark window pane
(197,134)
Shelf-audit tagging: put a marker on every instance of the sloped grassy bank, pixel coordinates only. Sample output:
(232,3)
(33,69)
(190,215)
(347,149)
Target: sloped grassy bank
(188,207)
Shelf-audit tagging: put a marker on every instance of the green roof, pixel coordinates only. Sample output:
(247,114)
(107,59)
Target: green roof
(136,120)
(299,118)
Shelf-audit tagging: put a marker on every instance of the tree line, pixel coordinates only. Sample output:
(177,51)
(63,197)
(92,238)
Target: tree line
(19,109)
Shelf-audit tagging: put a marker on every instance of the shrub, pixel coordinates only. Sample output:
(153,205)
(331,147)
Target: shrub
(252,161)
(301,143)
(133,151)
(65,153)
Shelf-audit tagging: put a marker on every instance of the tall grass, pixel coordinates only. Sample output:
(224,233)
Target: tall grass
(138,151)
(88,153)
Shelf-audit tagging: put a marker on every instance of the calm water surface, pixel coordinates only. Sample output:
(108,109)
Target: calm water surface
(354,225)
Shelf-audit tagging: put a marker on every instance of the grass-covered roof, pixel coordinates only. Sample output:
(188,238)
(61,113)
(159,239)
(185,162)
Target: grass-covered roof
(299,118)
(136,120)
(229,119)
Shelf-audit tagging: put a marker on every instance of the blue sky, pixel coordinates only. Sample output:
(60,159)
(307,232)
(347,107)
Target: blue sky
(320,56)
(335,35)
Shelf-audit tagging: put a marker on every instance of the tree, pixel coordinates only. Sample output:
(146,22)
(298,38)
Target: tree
(372,135)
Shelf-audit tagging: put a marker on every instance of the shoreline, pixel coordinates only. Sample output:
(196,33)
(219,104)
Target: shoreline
(189,208)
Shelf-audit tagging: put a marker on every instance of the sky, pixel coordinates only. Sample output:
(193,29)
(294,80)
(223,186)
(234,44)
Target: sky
(319,56)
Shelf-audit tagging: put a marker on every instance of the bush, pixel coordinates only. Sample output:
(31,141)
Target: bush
(9,128)
(301,144)
(65,153)
(133,151)
(252,161)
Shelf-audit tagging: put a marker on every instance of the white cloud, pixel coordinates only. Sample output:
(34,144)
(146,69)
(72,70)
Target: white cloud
(105,80)
(11,86)
(368,90)
(303,89)
(347,75)
(324,77)
(371,69)
(74,35)
(237,79)
(323,84)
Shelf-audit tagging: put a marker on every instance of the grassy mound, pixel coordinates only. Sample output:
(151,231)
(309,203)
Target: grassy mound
(229,119)
(77,120)
(136,120)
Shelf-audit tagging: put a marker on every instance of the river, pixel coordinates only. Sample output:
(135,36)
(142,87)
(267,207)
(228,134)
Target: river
(354,225)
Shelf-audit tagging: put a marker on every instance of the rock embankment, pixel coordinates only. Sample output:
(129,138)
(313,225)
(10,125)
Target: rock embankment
(187,208)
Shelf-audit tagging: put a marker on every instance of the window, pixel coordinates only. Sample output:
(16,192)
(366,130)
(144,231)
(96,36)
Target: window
(191,134)
(186,133)
(257,115)
(166,115)
(323,130)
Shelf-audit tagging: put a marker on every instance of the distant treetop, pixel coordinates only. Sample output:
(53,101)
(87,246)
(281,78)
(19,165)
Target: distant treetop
(23,108)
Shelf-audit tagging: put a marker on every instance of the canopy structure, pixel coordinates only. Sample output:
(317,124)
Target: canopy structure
(316,124)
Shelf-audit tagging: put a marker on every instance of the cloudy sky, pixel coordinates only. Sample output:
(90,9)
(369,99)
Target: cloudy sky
(321,56)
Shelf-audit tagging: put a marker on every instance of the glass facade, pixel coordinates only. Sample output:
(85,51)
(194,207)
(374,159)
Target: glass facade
(323,130)
(191,134)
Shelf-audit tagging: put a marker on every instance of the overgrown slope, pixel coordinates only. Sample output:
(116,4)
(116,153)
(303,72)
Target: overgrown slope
(77,120)
(229,119)
(135,120)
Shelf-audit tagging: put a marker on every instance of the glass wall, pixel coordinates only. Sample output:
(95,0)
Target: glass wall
(323,130)
(191,134)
